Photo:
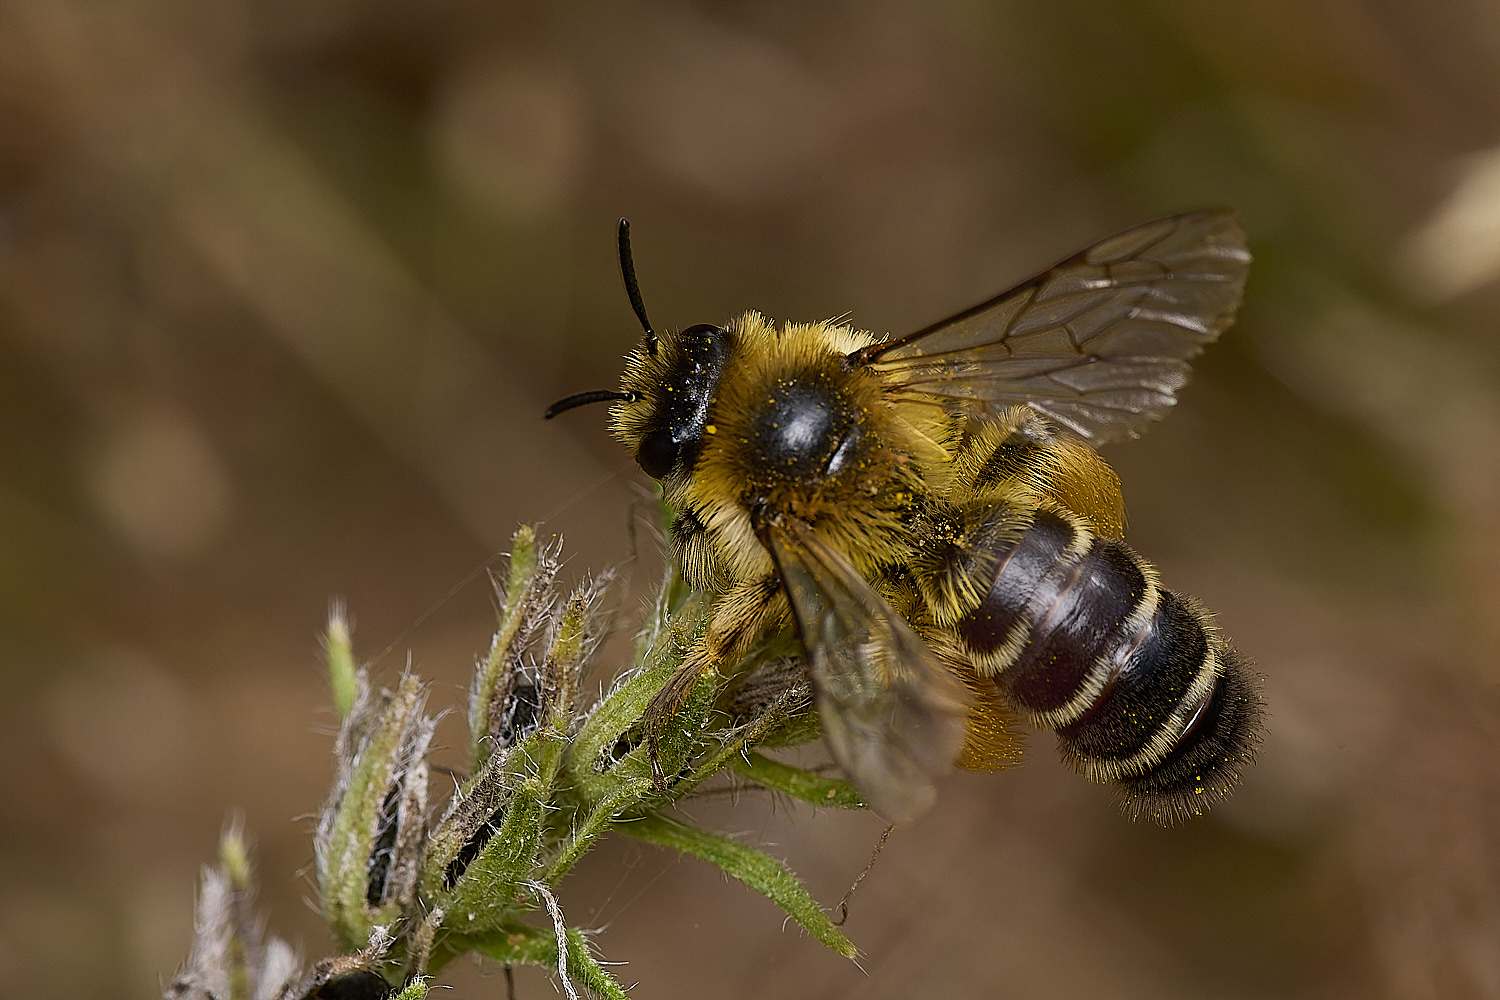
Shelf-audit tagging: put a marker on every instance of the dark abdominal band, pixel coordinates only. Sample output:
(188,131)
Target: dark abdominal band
(1142,693)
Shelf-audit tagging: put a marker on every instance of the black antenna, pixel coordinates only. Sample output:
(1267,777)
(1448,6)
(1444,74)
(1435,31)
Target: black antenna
(585,398)
(627,268)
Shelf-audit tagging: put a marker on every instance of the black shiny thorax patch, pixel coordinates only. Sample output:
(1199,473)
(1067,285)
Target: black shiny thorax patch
(807,430)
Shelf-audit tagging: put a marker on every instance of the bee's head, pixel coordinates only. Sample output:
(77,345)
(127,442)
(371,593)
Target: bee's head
(673,390)
(667,386)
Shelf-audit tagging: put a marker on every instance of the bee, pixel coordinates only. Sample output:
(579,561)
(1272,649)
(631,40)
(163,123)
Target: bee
(931,516)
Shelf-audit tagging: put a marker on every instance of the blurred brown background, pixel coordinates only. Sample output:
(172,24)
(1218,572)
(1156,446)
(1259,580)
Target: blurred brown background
(284,288)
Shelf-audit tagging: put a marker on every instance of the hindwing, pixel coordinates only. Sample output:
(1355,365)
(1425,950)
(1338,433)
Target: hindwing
(1100,343)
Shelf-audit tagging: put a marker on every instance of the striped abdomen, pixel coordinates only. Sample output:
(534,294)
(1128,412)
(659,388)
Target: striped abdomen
(1078,634)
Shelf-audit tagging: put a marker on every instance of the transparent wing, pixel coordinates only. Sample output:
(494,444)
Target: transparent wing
(1101,342)
(893,716)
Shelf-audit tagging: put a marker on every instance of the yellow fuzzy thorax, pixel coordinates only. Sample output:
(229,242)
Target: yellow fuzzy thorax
(860,510)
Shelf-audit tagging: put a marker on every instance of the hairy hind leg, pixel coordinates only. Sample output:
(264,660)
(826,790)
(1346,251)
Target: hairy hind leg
(739,618)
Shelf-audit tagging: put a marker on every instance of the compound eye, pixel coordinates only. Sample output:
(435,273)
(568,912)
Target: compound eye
(657,454)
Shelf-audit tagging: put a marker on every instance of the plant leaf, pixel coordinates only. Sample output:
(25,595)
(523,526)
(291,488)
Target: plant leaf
(799,783)
(755,868)
(522,944)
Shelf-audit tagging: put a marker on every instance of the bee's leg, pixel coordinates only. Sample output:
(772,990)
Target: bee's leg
(665,705)
(739,617)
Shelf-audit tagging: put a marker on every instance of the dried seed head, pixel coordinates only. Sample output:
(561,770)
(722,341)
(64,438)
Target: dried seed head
(231,956)
(517,708)
(575,637)
(526,600)
(349,977)
(472,817)
(371,833)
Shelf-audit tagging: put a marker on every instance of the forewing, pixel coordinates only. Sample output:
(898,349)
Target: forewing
(1101,342)
(893,716)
